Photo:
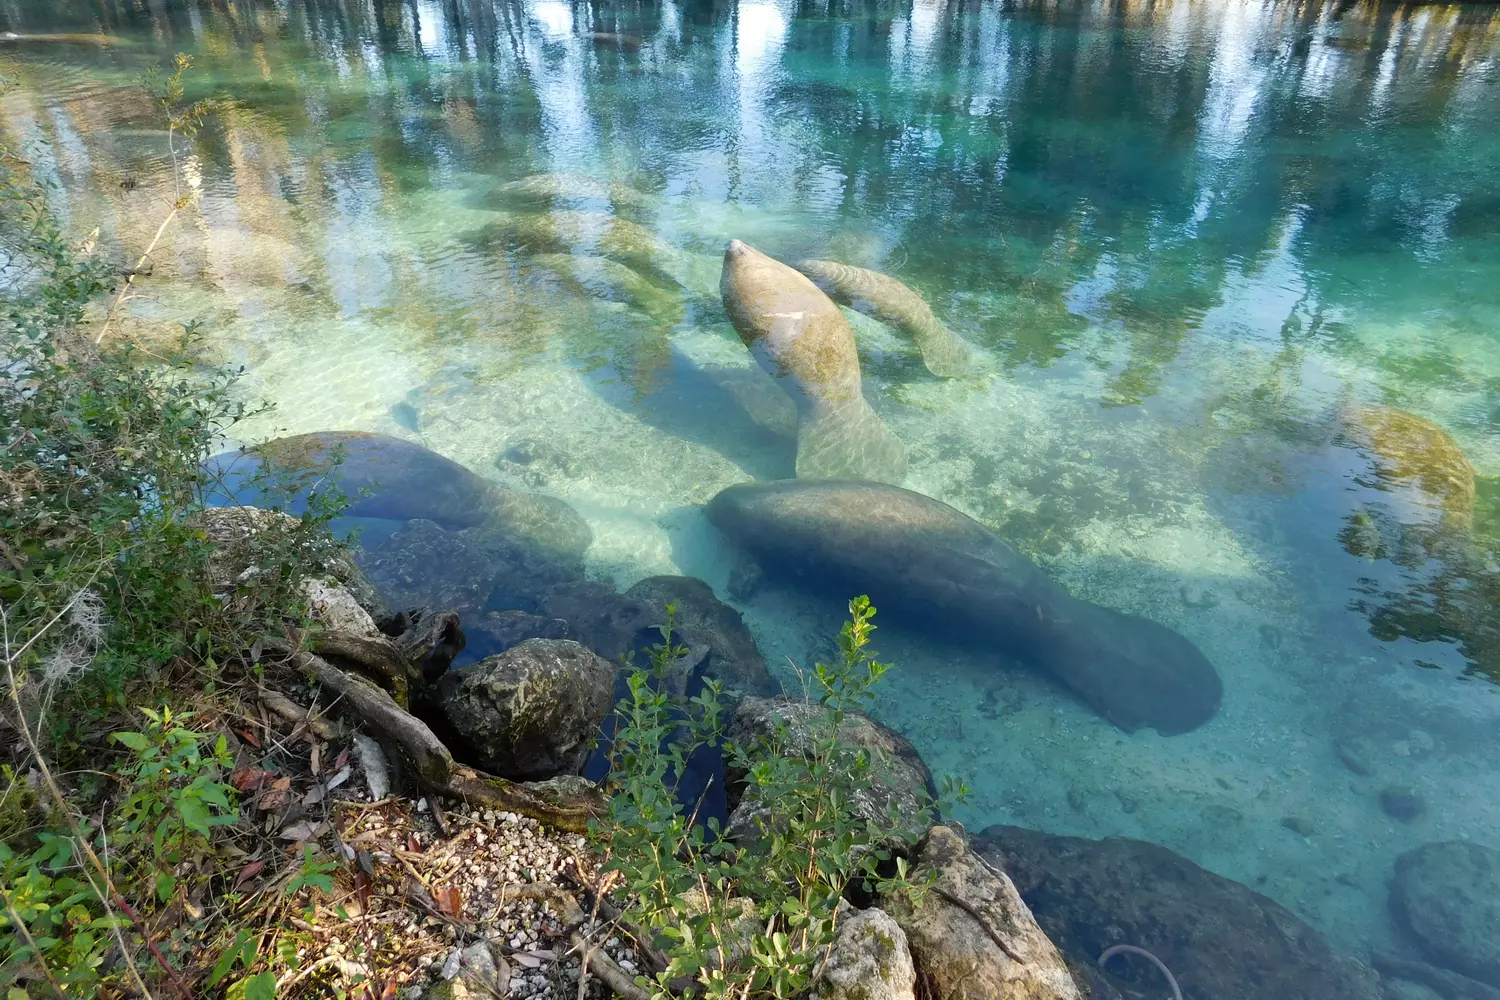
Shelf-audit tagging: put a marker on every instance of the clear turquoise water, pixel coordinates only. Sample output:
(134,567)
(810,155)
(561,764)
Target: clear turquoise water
(1183,237)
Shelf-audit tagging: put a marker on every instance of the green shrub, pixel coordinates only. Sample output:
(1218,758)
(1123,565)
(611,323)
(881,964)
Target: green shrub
(739,920)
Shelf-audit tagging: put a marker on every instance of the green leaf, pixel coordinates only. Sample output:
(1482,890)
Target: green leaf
(261,986)
(135,741)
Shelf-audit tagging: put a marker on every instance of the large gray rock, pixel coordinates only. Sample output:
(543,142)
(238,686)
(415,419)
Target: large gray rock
(1221,940)
(923,560)
(467,571)
(958,947)
(869,961)
(531,712)
(424,565)
(897,779)
(1446,897)
(731,654)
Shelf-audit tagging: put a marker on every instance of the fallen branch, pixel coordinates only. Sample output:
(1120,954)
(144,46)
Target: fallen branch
(294,713)
(982,922)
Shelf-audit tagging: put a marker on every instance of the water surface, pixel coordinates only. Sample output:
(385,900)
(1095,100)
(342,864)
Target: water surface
(1188,240)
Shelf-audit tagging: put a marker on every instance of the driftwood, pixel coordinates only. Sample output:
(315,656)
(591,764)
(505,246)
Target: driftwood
(565,803)
(295,713)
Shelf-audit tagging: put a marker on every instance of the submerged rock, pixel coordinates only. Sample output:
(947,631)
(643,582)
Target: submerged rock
(424,566)
(897,778)
(705,621)
(1446,897)
(971,934)
(868,961)
(496,631)
(532,712)
(921,559)
(1222,940)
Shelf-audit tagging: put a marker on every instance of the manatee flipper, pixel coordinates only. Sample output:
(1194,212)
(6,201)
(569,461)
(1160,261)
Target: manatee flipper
(884,298)
(847,440)
(945,355)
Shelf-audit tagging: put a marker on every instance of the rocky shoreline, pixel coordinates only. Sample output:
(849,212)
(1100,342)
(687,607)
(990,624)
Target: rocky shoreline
(489,749)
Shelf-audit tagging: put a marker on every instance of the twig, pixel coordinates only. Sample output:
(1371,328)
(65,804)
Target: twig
(161,960)
(62,802)
(25,932)
(129,284)
(983,923)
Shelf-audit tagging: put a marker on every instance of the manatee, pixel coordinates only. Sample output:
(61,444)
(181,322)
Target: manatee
(882,297)
(614,40)
(922,560)
(610,280)
(590,234)
(569,187)
(1411,451)
(387,477)
(799,336)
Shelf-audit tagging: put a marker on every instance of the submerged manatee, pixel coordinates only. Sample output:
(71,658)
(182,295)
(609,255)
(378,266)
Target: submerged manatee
(404,482)
(799,336)
(569,187)
(590,234)
(923,560)
(883,298)
(614,282)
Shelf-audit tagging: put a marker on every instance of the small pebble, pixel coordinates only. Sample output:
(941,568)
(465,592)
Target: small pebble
(1401,803)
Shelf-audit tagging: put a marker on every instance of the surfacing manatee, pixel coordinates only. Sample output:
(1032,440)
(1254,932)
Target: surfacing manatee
(404,482)
(922,560)
(883,298)
(799,336)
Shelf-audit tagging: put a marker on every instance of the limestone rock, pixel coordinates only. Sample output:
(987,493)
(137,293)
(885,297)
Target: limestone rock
(956,947)
(1221,940)
(897,775)
(868,961)
(335,608)
(530,712)
(1446,897)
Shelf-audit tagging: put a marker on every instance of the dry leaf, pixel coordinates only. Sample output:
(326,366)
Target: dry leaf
(251,738)
(341,760)
(276,795)
(248,872)
(450,901)
(413,845)
(526,961)
(344,770)
(315,794)
(306,830)
(315,761)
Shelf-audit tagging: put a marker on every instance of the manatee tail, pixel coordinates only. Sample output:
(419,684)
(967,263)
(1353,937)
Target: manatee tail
(849,441)
(945,353)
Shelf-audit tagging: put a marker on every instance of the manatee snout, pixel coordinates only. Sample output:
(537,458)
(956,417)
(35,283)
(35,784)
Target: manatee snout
(736,248)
